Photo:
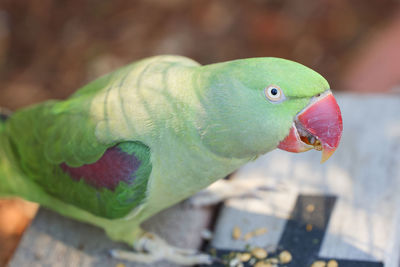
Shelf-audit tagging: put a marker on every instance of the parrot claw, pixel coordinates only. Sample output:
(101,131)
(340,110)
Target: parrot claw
(151,248)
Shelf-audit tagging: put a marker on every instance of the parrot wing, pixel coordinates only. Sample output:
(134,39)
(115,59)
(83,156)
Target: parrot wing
(57,148)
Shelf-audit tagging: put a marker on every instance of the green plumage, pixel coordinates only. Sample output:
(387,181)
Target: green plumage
(187,124)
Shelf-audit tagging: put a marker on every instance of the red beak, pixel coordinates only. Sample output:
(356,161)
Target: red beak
(318,126)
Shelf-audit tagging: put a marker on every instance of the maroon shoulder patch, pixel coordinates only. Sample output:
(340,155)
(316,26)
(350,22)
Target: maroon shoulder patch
(113,167)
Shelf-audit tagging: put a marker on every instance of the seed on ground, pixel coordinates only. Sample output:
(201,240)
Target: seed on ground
(259,253)
(332,263)
(257,232)
(309,227)
(310,208)
(285,257)
(248,236)
(319,264)
(263,264)
(273,261)
(260,231)
(120,265)
(243,257)
(236,233)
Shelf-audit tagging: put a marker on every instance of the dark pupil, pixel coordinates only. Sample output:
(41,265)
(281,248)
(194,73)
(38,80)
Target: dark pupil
(274,91)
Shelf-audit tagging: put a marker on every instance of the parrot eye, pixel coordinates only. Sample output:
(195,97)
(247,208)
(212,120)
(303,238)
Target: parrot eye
(274,94)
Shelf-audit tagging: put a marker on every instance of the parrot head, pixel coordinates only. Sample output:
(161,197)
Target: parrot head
(256,105)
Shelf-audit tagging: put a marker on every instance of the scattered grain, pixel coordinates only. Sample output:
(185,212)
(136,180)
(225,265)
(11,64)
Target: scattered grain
(248,236)
(273,261)
(259,253)
(243,257)
(260,231)
(263,264)
(236,233)
(285,257)
(257,232)
(309,227)
(332,263)
(310,208)
(319,264)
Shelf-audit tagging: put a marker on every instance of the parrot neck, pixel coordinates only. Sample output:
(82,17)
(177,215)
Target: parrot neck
(223,122)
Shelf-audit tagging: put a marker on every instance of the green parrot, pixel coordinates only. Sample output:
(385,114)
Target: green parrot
(154,132)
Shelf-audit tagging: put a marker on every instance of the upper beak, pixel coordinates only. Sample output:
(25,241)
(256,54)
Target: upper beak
(318,126)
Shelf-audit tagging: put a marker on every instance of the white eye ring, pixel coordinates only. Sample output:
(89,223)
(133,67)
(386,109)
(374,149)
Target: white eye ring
(274,93)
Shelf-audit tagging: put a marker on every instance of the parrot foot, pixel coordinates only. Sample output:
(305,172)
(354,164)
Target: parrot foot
(236,188)
(151,248)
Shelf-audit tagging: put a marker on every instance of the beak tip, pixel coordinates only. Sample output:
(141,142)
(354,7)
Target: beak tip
(323,160)
(327,153)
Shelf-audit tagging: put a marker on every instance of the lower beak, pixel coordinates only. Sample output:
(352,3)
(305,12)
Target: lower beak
(318,126)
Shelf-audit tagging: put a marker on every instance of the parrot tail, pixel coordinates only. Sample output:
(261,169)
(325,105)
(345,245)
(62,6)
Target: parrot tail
(9,175)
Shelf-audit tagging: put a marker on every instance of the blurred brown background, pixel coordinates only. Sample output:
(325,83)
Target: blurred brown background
(50,48)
